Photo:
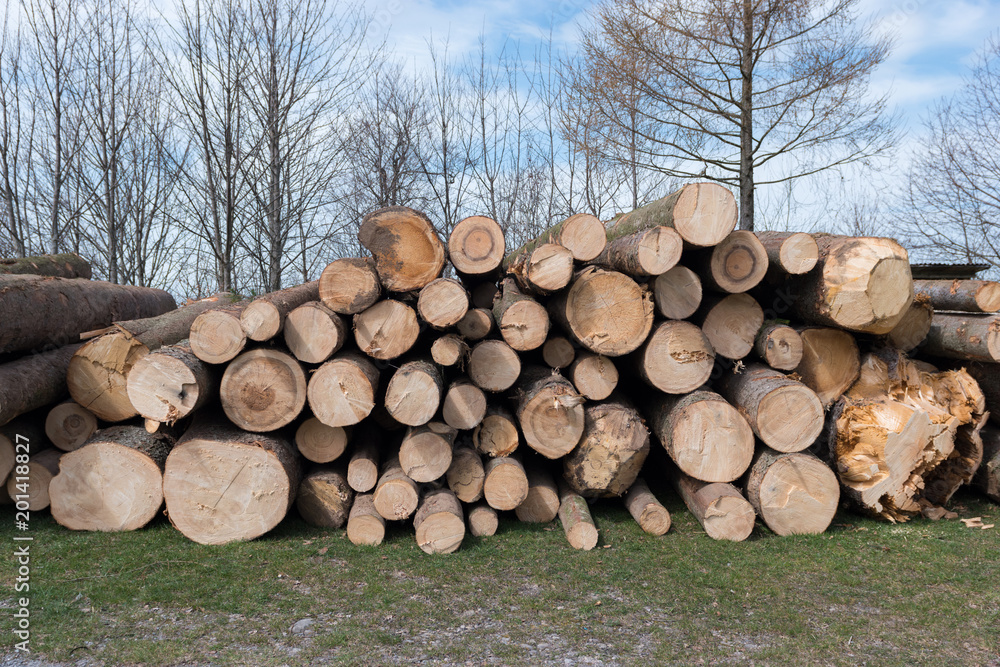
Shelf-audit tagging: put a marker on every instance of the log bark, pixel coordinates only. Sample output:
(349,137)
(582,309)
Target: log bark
(464,405)
(542,270)
(523,322)
(720,508)
(63,265)
(47,373)
(466,475)
(494,366)
(969,296)
(731,324)
(170,384)
(576,520)
(647,511)
(582,234)
(476,246)
(387,330)
(263,390)
(483,520)
(414,393)
(913,328)
(32,484)
(736,265)
(365,526)
(68,425)
(677,293)
(779,346)
(550,412)
(443,303)
(324,498)
(966,337)
(830,362)
(216,336)
(506,484)
(542,502)
(426,451)
(702,213)
(314,333)
(349,286)
(558,352)
(265,317)
(987,478)
(320,443)
(497,434)
(396,496)
(439,523)
(611,451)
(793,493)
(407,251)
(676,359)
(342,391)
(450,350)
(790,253)
(594,376)
(476,325)
(21,436)
(641,254)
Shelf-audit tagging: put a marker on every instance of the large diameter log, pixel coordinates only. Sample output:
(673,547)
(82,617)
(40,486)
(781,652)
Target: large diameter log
(263,390)
(464,405)
(522,321)
(29,482)
(970,296)
(793,493)
(396,496)
(314,333)
(476,246)
(264,318)
(542,503)
(604,311)
(365,526)
(39,311)
(647,511)
(731,324)
(414,393)
(594,376)
(702,213)
(967,337)
(386,330)
(641,254)
(362,469)
(676,359)
(170,383)
(541,270)
(987,478)
(506,483)
(426,451)
(497,434)
(407,251)
(222,484)
(779,346)
(349,286)
(483,520)
(550,412)
(705,436)
(342,391)
(450,350)
(443,303)
(784,413)
(830,362)
(439,522)
(216,336)
(63,265)
(324,498)
(913,328)
(558,352)
(792,253)
(318,442)
(68,425)
(576,520)
(494,366)
(677,293)
(466,475)
(33,381)
(959,468)
(737,264)
(112,483)
(611,451)
(720,508)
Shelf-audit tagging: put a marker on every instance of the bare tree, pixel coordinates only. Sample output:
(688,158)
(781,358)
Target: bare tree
(17,134)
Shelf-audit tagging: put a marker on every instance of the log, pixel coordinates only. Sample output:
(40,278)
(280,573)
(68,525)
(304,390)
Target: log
(676,359)
(362,470)
(324,498)
(464,405)
(987,478)
(720,508)
(476,246)
(439,522)
(558,352)
(702,213)
(314,332)
(604,311)
(644,253)
(705,436)
(784,413)
(47,373)
(414,393)
(265,317)
(216,336)
(443,303)
(349,286)
(450,350)
(426,451)
(170,384)
(542,503)
(365,526)
(396,496)
(497,434)
(913,328)
(21,437)
(112,483)
(522,321)
(647,511)
(506,484)
(542,270)
(483,520)
(959,468)
(29,482)
(40,311)
(611,451)
(318,442)
(8,457)
(779,346)
(677,293)
(476,325)
(68,425)
(988,378)
(550,412)
(263,390)
(576,520)
(594,376)
(830,362)
(386,330)
(407,251)
(961,336)
(731,324)
(342,391)
(791,253)
(582,234)
(63,265)
(737,264)
(466,475)
(969,296)
(494,366)
(793,493)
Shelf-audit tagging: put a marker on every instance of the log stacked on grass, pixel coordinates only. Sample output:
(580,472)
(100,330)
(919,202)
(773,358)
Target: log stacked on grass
(63,265)
(407,251)
(791,253)
(170,384)
(414,392)
(47,373)
(396,496)
(719,507)
(550,412)
(614,445)
(542,502)
(318,442)
(676,359)
(647,511)
(497,434)
(314,332)
(970,296)
(466,475)
(34,483)
(958,469)
(265,317)
(362,469)
(68,425)
(22,436)
(342,391)
(506,483)
(425,453)
(483,520)
(365,526)
(324,498)
(794,493)
(439,522)
(577,523)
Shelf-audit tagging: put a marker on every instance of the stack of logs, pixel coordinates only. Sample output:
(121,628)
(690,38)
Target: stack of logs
(444,383)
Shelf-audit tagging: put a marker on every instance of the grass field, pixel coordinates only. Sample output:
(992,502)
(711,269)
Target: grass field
(920,593)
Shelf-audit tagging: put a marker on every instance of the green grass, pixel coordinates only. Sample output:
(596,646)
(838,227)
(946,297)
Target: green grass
(921,593)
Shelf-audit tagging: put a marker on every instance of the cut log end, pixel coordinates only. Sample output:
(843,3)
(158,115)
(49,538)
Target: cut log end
(314,332)
(795,494)
(349,286)
(69,425)
(558,352)
(576,520)
(365,526)
(443,303)
(439,523)
(494,366)
(387,330)
(583,235)
(320,443)
(738,263)
(407,251)
(324,498)
(647,511)
(476,246)
(677,358)
(342,391)
(217,336)
(263,390)
(506,483)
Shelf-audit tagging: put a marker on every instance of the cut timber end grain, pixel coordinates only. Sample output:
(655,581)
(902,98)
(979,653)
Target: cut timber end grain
(407,251)
(677,293)
(450,350)
(914,327)
(544,270)
(42,467)
(263,390)
(550,412)
(386,330)
(264,317)
(170,383)
(396,495)
(830,362)
(576,520)
(217,336)
(318,442)
(971,296)
(342,391)
(476,246)
(494,366)
(497,434)
(647,511)
(439,523)
(324,498)
(558,352)
(793,253)
(466,475)
(702,213)
(611,451)
(443,303)
(362,470)
(779,345)
(506,483)
(476,325)
(68,426)
(731,324)
(720,508)
(964,336)
(522,321)
(542,503)
(414,392)
(314,332)
(594,376)
(349,286)
(738,263)
(677,358)
(464,405)
(365,526)
(959,468)
(426,451)
(647,252)
(794,493)
(582,234)
(483,520)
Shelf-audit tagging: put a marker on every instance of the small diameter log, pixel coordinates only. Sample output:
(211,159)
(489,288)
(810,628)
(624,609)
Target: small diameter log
(362,470)
(830,362)
(407,251)
(779,346)
(582,234)
(497,434)
(439,522)
(677,293)
(641,254)
(464,405)
(550,412)
(349,286)
(987,478)
(542,270)
(68,425)
(314,332)
(63,265)
(791,253)
(494,366)
(702,213)
(647,511)
(263,390)
(576,520)
(264,318)
(966,337)
(784,413)
(476,246)
(704,435)
(342,391)
(466,475)
(720,508)
(40,311)
(318,442)
(542,502)
(522,321)
(396,495)
(450,350)
(793,493)
(604,311)
(476,325)
(113,483)
(558,352)
(443,303)
(414,393)
(386,330)
(731,324)
(737,264)
(216,336)
(47,373)
(23,436)
(170,383)
(594,376)
(506,484)
(30,481)
(676,359)
(324,498)
(969,296)
(365,526)
(912,330)
(483,520)
(611,451)
(426,451)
